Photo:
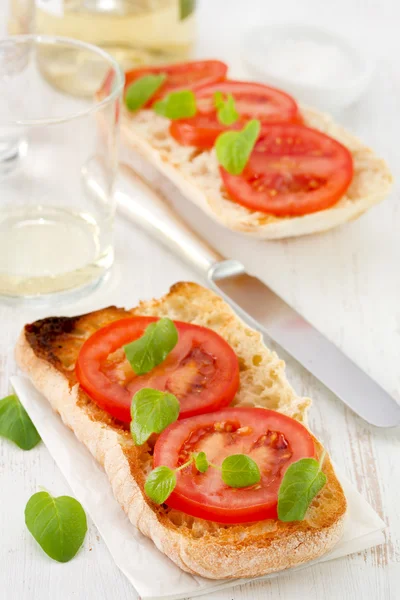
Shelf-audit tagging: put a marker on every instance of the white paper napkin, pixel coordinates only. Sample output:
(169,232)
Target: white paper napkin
(152,574)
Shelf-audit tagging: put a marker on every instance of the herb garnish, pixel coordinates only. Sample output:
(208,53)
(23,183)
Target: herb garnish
(237,471)
(226,110)
(140,91)
(177,105)
(16,425)
(153,347)
(152,411)
(57,524)
(234,147)
(300,484)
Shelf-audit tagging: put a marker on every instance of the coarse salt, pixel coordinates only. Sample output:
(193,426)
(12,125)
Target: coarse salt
(307,61)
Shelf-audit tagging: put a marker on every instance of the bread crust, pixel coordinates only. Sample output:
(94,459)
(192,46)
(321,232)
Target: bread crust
(195,174)
(46,351)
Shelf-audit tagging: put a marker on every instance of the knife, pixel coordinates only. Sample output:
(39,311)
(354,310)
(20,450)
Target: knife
(256,303)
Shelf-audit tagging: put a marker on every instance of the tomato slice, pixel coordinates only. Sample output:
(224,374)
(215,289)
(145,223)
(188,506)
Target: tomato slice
(252,101)
(189,75)
(202,370)
(293,171)
(273,440)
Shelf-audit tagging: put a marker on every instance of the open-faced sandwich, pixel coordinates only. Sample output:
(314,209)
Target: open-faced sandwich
(246,153)
(203,439)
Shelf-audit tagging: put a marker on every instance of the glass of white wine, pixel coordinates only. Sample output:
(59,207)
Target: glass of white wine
(58,162)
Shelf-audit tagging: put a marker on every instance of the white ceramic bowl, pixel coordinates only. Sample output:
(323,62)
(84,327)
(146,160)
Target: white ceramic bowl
(315,83)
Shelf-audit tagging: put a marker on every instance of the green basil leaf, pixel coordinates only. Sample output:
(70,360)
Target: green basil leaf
(177,105)
(201,462)
(226,110)
(160,483)
(234,147)
(239,470)
(141,90)
(16,425)
(57,524)
(153,347)
(300,484)
(152,411)
(186,7)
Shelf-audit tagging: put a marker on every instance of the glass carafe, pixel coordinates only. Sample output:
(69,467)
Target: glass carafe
(135,32)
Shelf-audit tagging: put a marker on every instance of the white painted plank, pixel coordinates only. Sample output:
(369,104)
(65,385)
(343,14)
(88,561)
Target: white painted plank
(347,282)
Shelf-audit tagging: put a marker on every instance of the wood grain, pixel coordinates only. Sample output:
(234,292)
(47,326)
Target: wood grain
(347,282)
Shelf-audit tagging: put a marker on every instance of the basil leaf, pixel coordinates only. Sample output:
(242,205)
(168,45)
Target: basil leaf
(141,90)
(300,484)
(186,7)
(234,147)
(239,470)
(177,105)
(57,524)
(201,462)
(16,425)
(160,483)
(152,411)
(153,347)
(226,110)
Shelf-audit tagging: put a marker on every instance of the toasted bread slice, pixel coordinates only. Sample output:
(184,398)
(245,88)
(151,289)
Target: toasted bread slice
(195,173)
(47,351)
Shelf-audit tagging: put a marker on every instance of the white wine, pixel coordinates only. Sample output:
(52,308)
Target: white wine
(58,165)
(20,17)
(44,250)
(135,32)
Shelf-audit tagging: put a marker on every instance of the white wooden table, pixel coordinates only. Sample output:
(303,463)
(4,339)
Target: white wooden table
(347,282)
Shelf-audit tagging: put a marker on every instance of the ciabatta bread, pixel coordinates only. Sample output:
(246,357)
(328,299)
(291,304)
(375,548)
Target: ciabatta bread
(195,173)
(47,351)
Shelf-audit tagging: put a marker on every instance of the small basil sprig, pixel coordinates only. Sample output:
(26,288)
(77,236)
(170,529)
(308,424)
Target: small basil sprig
(141,90)
(237,471)
(177,105)
(152,411)
(226,110)
(201,462)
(186,7)
(160,484)
(302,481)
(57,524)
(16,425)
(233,148)
(153,347)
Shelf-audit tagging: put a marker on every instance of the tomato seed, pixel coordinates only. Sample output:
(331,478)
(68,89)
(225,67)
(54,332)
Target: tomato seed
(244,430)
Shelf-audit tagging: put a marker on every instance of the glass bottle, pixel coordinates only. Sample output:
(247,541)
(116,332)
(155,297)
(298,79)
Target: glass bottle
(135,32)
(19,17)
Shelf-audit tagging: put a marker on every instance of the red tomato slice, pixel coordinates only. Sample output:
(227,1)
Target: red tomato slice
(293,171)
(271,439)
(202,370)
(189,75)
(252,101)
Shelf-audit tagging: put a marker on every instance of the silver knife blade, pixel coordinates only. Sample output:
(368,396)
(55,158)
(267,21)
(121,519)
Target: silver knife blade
(256,303)
(268,312)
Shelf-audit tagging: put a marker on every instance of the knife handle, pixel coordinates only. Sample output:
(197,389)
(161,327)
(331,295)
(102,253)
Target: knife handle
(144,207)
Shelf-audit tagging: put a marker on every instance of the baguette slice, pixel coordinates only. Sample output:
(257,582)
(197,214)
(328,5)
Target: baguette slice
(47,351)
(195,173)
